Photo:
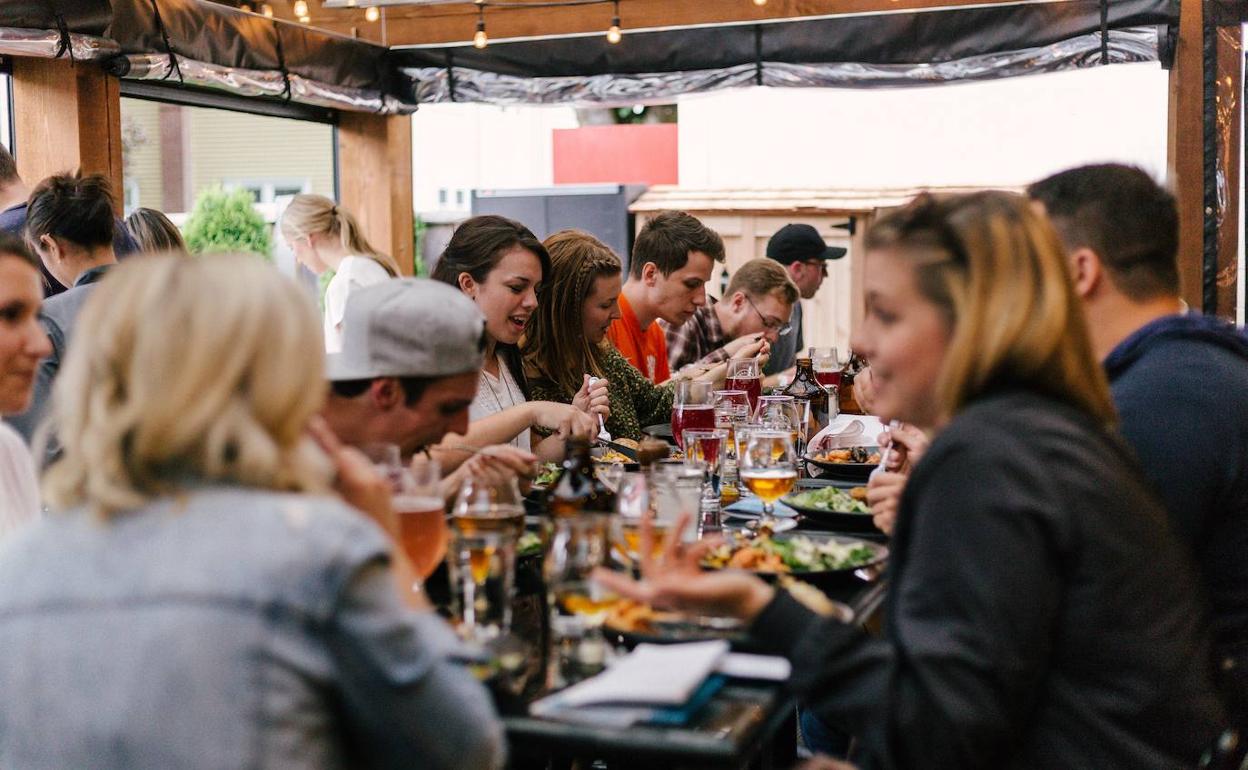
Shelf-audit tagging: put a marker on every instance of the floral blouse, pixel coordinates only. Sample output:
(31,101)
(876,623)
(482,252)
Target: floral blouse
(635,401)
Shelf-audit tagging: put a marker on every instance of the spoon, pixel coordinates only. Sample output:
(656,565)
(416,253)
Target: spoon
(603,433)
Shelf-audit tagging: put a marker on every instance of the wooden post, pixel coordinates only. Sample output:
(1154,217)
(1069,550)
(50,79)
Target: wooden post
(67,117)
(375,180)
(1228,94)
(1185,150)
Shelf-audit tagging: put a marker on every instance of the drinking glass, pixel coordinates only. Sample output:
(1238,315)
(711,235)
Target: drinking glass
(486,523)
(421,516)
(578,605)
(677,491)
(385,458)
(768,466)
(745,374)
(704,452)
(692,408)
(632,502)
(785,413)
(827,365)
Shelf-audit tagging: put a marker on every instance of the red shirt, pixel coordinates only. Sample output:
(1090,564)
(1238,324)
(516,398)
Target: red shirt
(646,350)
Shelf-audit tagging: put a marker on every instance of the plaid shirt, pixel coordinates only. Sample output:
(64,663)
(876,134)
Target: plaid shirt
(700,340)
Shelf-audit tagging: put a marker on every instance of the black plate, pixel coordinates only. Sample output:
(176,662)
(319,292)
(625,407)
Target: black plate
(676,633)
(858,472)
(832,577)
(662,432)
(837,521)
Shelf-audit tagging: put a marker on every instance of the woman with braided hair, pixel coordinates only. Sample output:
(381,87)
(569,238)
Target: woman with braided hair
(566,340)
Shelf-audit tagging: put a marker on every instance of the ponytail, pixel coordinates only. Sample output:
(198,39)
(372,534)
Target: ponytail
(309,214)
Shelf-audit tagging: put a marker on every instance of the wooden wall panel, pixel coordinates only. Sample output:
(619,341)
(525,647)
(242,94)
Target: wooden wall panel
(375,179)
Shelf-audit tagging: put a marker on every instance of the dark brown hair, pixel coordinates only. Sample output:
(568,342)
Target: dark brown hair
(1119,212)
(477,246)
(8,167)
(12,246)
(667,239)
(73,207)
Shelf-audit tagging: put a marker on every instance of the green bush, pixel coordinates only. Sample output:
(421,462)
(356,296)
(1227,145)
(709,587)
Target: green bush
(227,221)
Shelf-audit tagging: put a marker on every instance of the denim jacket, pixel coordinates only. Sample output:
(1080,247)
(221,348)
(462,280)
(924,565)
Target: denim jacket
(225,628)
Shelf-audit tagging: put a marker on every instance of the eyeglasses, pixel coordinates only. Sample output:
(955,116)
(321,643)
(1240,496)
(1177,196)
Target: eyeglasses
(771,324)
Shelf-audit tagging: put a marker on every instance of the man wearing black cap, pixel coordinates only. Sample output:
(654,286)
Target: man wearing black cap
(803,253)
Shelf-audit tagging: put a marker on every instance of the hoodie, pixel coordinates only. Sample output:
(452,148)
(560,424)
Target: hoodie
(1180,384)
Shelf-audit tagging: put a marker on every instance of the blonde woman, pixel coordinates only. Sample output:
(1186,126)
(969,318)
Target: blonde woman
(154,232)
(567,337)
(1041,614)
(200,586)
(324,236)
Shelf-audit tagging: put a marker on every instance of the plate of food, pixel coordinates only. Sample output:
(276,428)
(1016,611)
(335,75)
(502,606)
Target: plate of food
(842,508)
(818,558)
(850,464)
(630,623)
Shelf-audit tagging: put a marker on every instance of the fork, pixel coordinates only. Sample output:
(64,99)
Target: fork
(603,433)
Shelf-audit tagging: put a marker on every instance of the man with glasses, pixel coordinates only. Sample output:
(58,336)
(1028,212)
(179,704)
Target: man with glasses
(755,310)
(804,255)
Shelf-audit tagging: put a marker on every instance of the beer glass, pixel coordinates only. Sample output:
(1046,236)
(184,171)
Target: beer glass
(578,605)
(421,515)
(486,523)
(768,467)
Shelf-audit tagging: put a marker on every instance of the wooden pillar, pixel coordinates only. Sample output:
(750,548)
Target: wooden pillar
(1228,111)
(67,116)
(375,179)
(1185,149)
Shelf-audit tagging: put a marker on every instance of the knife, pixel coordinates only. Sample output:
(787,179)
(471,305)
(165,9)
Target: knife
(623,449)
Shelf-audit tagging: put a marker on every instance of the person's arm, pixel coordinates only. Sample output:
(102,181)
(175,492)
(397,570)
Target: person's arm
(400,697)
(502,427)
(652,403)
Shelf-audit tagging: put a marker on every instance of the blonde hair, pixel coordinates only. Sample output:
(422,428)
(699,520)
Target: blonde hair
(997,270)
(309,214)
(154,232)
(555,346)
(760,277)
(142,410)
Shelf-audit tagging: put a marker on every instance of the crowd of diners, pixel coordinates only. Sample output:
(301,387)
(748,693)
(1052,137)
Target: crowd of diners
(198,564)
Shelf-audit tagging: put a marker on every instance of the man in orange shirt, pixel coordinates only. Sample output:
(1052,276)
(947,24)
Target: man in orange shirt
(672,261)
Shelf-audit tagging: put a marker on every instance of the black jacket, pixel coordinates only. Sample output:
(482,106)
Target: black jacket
(1040,615)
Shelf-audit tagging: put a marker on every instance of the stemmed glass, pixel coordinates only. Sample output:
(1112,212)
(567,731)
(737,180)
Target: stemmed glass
(745,374)
(827,365)
(692,408)
(768,466)
(486,523)
(578,605)
(784,413)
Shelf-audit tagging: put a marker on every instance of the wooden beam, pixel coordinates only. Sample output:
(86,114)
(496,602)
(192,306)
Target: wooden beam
(375,179)
(456,22)
(1185,150)
(1228,94)
(67,116)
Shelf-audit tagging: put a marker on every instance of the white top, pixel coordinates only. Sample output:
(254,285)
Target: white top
(352,273)
(19,487)
(494,394)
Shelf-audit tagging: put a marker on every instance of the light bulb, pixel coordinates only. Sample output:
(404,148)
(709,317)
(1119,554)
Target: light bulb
(760,3)
(480,40)
(300,8)
(246,7)
(614,35)
(305,19)
(267,10)
(351,3)
(372,14)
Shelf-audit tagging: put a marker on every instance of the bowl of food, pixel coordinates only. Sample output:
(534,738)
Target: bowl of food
(840,508)
(850,464)
(818,558)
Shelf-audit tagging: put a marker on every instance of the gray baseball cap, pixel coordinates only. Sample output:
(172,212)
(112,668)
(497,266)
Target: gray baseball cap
(408,327)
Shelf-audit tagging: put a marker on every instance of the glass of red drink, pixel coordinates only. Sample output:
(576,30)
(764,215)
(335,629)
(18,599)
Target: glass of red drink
(692,409)
(745,374)
(827,364)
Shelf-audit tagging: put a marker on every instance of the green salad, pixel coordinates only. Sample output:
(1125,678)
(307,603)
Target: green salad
(547,474)
(801,554)
(530,543)
(831,499)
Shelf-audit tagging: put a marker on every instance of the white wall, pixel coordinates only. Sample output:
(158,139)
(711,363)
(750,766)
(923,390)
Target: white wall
(462,147)
(1004,132)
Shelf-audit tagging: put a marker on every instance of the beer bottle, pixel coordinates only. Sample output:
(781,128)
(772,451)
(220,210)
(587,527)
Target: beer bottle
(577,488)
(805,388)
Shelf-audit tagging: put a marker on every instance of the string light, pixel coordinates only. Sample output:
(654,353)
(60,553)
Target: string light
(371,13)
(613,34)
(305,19)
(300,8)
(267,10)
(760,3)
(480,39)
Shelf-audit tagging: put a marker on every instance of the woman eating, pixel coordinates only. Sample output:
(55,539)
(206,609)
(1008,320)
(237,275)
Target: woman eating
(325,237)
(202,599)
(566,342)
(23,343)
(1040,614)
(500,265)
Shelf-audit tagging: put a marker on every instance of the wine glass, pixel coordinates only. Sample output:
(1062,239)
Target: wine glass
(692,408)
(827,365)
(704,451)
(486,523)
(768,466)
(785,413)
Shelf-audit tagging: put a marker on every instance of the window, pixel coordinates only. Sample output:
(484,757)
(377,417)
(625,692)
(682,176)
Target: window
(6,106)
